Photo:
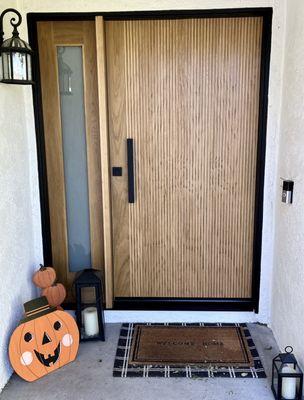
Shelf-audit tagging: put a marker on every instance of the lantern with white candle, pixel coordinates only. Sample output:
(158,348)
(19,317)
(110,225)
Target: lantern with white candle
(89,309)
(287,377)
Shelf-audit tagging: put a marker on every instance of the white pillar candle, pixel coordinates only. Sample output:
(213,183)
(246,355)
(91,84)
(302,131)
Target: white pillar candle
(289,384)
(90,320)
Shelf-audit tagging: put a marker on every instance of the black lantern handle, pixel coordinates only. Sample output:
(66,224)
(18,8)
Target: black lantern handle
(13,22)
(288,349)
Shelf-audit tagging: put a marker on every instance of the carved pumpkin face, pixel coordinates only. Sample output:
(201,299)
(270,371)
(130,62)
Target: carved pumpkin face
(44,344)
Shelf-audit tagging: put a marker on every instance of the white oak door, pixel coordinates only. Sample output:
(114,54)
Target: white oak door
(186,92)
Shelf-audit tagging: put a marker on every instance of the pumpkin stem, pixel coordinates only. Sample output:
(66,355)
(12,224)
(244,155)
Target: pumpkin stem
(42,267)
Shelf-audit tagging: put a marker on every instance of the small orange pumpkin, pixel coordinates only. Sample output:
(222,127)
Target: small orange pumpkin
(44,341)
(55,294)
(44,277)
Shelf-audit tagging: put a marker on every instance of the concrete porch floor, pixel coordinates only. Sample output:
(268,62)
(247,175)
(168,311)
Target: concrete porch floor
(88,378)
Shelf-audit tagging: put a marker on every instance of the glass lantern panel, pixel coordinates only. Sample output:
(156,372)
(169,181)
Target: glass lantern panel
(29,67)
(89,314)
(298,387)
(75,160)
(1,67)
(275,380)
(88,295)
(19,66)
(6,62)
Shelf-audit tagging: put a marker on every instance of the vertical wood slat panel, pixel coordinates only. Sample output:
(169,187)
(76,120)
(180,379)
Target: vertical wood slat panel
(104,156)
(118,128)
(93,144)
(191,91)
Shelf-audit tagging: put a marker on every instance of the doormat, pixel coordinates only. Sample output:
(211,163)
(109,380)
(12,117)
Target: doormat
(173,345)
(192,350)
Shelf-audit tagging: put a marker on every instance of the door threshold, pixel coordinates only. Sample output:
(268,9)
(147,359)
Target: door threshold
(122,316)
(183,304)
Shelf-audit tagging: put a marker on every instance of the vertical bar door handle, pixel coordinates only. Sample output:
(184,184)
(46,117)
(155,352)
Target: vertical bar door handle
(130,161)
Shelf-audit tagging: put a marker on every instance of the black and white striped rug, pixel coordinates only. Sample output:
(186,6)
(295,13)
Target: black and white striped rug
(123,368)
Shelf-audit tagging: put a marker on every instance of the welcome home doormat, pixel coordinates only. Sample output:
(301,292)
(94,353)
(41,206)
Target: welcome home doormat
(187,350)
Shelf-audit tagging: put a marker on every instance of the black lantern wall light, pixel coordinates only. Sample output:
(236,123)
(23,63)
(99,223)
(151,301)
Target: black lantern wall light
(15,54)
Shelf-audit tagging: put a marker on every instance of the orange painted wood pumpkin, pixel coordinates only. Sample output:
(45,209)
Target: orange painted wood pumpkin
(44,277)
(44,341)
(55,294)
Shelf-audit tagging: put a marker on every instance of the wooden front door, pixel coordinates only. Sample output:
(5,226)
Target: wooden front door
(186,92)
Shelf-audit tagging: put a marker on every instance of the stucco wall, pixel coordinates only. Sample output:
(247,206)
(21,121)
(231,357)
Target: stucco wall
(20,234)
(288,282)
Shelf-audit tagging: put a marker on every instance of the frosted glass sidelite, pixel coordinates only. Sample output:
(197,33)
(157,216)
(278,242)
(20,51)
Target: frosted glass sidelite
(75,157)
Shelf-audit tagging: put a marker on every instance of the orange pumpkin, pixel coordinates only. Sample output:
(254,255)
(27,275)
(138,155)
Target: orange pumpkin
(55,294)
(44,277)
(44,341)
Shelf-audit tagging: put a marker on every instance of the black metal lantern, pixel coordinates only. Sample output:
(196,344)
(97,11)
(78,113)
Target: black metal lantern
(15,54)
(287,377)
(89,309)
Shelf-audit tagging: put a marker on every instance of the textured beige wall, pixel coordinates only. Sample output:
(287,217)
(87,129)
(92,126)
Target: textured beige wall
(121,5)
(20,234)
(288,282)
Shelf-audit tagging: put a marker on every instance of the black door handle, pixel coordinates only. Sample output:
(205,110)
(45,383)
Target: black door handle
(130,161)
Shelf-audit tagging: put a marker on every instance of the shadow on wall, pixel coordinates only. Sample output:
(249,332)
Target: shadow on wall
(14,314)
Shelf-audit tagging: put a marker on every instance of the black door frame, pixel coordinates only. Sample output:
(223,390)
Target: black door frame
(204,304)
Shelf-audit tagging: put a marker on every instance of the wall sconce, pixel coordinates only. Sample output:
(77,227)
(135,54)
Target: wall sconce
(15,54)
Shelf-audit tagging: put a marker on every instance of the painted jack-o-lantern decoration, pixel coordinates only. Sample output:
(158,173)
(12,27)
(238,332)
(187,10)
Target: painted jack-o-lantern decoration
(44,341)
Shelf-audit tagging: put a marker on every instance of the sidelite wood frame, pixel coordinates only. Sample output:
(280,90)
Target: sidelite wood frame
(172,303)
(51,36)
